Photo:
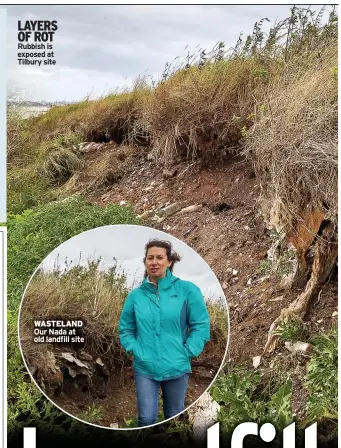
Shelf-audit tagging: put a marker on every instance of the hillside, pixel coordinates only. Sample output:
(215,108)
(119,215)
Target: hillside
(236,155)
(224,225)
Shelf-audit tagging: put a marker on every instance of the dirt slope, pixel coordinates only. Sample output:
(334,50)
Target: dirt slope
(225,228)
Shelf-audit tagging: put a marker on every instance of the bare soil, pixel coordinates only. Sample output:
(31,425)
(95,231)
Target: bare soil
(117,397)
(115,392)
(228,232)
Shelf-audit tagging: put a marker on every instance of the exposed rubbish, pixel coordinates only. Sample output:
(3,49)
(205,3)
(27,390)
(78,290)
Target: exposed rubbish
(171,209)
(186,234)
(191,208)
(203,415)
(256,361)
(298,347)
(69,357)
(90,146)
(276,299)
(99,362)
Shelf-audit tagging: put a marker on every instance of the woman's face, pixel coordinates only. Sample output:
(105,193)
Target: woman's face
(157,263)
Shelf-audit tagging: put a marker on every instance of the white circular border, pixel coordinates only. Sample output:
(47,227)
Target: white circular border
(107,427)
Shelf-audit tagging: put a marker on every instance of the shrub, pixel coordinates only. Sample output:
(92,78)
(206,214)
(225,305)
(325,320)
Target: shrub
(293,142)
(242,399)
(290,330)
(26,188)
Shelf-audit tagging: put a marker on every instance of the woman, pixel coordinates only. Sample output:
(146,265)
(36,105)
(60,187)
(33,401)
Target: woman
(164,323)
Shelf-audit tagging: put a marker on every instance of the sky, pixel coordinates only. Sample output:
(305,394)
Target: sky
(103,47)
(126,243)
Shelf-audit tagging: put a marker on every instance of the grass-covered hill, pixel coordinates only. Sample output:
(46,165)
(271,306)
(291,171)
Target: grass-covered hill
(273,97)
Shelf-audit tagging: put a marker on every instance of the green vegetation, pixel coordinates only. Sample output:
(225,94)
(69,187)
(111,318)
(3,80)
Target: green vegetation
(272,98)
(265,395)
(26,189)
(265,267)
(322,378)
(290,330)
(32,181)
(282,265)
(32,235)
(243,398)
(93,414)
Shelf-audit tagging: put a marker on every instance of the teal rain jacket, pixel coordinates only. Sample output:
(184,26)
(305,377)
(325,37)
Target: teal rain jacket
(164,327)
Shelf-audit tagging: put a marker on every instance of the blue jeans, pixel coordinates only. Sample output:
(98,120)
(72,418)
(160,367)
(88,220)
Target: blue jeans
(147,391)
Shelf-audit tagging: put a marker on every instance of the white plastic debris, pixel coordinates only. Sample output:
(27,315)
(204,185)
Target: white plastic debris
(69,357)
(203,415)
(256,361)
(298,347)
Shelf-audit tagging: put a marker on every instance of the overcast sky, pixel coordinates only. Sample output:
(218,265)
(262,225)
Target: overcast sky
(99,48)
(126,243)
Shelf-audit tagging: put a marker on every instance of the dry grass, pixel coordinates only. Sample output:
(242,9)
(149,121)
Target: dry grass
(111,118)
(16,140)
(201,111)
(86,293)
(102,169)
(60,165)
(96,297)
(218,320)
(293,143)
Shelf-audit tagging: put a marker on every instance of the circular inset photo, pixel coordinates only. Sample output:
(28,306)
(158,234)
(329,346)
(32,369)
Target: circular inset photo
(123,326)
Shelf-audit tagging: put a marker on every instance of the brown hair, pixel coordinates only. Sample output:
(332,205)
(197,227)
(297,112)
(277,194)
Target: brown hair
(171,255)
